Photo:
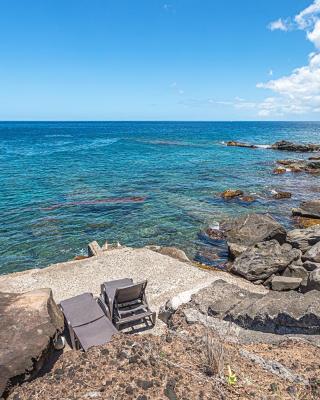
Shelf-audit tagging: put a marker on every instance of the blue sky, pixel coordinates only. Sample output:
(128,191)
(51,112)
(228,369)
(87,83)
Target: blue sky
(159,60)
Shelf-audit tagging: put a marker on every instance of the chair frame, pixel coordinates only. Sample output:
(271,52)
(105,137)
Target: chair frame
(130,312)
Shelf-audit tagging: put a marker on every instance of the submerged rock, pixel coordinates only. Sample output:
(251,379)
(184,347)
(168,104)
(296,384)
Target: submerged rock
(264,259)
(231,193)
(282,195)
(29,323)
(249,229)
(279,170)
(247,198)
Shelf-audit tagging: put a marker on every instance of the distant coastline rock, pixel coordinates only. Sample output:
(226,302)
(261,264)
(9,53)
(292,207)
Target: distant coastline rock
(234,143)
(282,145)
(285,145)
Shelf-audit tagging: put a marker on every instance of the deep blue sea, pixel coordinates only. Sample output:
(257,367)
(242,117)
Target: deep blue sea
(66,184)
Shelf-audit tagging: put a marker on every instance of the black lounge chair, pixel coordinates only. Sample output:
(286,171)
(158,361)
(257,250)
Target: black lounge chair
(126,303)
(87,323)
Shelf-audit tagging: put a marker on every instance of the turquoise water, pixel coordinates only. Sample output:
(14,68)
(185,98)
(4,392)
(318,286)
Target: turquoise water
(66,184)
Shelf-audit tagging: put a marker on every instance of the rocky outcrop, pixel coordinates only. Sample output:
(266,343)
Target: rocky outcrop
(304,239)
(29,322)
(285,145)
(308,209)
(231,194)
(275,312)
(264,259)
(282,195)
(249,229)
(234,143)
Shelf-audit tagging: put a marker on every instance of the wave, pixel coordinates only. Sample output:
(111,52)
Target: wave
(263,146)
(60,147)
(58,135)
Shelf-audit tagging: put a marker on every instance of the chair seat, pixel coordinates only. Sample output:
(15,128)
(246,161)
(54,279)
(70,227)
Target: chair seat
(95,333)
(135,317)
(82,309)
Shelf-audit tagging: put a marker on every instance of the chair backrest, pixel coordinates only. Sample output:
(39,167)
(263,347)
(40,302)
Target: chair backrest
(130,293)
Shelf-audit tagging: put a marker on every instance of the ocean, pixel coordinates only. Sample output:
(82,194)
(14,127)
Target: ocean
(64,184)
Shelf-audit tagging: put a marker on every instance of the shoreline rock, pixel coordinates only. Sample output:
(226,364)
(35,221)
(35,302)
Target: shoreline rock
(29,323)
(247,230)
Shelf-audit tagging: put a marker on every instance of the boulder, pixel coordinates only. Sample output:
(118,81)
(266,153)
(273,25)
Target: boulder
(303,222)
(235,250)
(296,271)
(282,195)
(275,312)
(29,323)
(304,239)
(285,145)
(314,280)
(249,229)
(173,252)
(313,254)
(281,283)
(308,209)
(231,193)
(310,265)
(264,259)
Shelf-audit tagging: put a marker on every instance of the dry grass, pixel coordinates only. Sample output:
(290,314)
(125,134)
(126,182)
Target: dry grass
(215,353)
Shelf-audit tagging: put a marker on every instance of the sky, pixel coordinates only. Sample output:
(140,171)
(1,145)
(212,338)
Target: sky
(160,60)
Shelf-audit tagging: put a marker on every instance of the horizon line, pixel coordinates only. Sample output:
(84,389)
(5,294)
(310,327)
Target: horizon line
(146,120)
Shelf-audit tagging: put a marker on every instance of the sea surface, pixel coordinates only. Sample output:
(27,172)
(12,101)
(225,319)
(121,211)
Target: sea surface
(64,184)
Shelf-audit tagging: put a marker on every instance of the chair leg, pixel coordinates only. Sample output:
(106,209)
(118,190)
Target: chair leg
(72,338)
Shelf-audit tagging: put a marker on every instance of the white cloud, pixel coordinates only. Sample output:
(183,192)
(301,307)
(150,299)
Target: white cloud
(308,16)
(270,72)
(299,91)
(314,35)
(279,24)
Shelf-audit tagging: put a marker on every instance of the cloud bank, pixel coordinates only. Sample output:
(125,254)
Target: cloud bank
(299,92)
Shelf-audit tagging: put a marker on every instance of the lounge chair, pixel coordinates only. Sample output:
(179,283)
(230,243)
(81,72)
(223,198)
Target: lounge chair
(87,323)
(126,303)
